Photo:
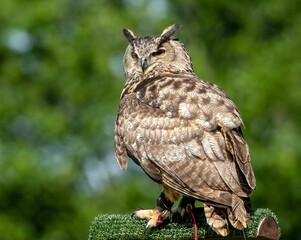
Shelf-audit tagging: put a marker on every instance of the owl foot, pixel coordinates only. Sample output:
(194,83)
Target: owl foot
(217,220)
(153,217)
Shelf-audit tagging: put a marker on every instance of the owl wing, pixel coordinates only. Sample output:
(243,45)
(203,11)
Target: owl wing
(185,133)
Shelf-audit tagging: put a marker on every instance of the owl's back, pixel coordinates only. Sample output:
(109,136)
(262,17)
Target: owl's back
(185,133)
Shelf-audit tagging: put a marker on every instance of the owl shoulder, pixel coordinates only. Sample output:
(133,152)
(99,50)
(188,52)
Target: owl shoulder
(186,96)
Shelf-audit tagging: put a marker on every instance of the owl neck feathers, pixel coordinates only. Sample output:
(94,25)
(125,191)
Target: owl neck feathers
(136,80)
(130,86)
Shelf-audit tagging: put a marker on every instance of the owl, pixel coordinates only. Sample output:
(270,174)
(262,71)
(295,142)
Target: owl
(185,134)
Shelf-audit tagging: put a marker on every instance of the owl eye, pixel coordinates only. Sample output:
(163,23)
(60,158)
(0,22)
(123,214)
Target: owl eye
(134,55)
(159,53)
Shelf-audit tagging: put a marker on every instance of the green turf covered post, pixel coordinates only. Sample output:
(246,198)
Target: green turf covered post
(263,225)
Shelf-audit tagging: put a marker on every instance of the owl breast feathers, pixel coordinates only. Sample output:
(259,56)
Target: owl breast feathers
(183,132)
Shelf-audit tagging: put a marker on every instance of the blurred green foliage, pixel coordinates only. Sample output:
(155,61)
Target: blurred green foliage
(60,82)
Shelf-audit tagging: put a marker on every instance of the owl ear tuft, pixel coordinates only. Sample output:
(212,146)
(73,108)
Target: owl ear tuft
(168,32)
(129,35)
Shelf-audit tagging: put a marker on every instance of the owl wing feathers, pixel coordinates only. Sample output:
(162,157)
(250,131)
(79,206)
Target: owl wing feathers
(185,133)
(239,149)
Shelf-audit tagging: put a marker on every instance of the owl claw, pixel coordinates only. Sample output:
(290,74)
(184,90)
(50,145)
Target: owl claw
(134,213)
(154,217)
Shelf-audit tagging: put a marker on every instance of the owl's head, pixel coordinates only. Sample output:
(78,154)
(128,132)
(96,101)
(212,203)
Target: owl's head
(153,55)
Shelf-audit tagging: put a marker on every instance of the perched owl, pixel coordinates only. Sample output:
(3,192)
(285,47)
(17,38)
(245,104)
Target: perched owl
(185,133)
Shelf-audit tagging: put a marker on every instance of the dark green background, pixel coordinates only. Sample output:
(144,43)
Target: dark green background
(60,82)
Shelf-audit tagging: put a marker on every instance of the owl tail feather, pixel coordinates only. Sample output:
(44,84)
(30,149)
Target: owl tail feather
(238,215)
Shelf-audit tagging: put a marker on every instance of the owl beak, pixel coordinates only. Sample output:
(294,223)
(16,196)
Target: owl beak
(144,63)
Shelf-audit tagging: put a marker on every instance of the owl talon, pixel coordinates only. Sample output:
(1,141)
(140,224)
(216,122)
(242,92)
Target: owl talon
(154,217)
(134,213)
(143,214)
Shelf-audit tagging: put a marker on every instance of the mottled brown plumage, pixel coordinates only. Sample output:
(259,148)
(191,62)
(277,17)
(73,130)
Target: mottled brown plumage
(184,132)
